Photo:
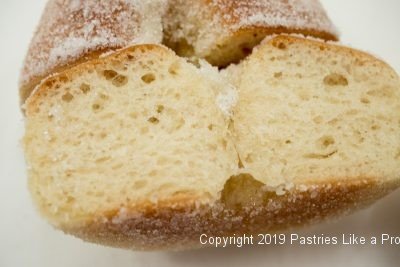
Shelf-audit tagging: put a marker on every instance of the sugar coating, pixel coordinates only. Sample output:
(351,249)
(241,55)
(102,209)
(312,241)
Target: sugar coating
(180,230)
(297,14)
(70,29)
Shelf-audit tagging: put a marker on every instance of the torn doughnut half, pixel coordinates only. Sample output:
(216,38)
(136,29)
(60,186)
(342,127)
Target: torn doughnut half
(141,149)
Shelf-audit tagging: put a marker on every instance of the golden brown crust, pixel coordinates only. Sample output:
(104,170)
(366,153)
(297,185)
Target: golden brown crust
(179,227)
(360,56)
(27,88)
(93,61)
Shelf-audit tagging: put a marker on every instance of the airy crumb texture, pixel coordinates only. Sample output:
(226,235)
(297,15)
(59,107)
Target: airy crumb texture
(72,29)
(224,31)
(131,127)
(308,110)
(141,149)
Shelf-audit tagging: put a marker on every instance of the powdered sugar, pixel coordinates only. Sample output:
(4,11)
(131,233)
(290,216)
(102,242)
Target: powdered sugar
(295,14)
(76,46)
(227,95)
(121,216)
(227,100)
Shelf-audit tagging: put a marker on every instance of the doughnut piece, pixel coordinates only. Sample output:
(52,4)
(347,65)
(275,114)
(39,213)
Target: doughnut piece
(127,130)
(309,112)
(225,31)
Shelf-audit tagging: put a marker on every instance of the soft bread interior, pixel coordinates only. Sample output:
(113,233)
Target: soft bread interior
(309,111)
(141,125)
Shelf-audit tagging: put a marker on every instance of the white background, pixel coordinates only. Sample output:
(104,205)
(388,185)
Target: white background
(26,240)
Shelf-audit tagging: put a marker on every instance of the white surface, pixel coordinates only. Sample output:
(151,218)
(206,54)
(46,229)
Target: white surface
(26,240)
